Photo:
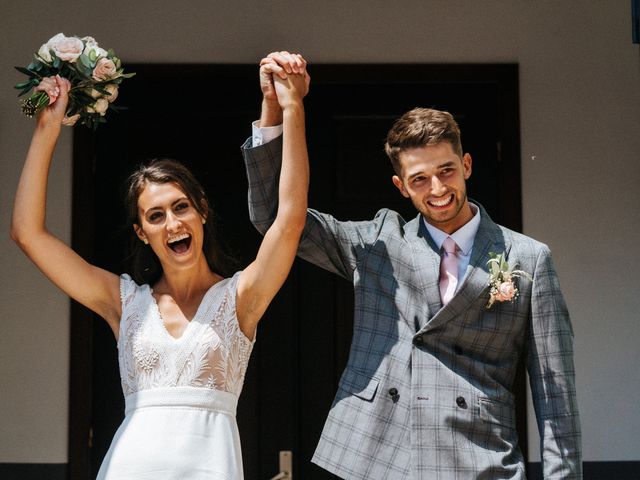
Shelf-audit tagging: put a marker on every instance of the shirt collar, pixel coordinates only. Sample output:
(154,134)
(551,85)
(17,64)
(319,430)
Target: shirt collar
(463,237)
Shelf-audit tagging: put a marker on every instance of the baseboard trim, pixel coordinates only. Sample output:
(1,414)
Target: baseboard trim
(592,471)
(596,470)
(34,471)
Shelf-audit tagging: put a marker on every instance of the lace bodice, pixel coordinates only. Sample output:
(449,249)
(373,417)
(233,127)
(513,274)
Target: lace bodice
(211,353)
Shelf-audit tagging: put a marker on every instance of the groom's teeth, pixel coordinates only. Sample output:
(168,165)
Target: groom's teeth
(441,203)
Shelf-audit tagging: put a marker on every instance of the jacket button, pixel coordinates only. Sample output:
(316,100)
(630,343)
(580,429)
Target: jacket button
(457,349)
(418,341)
(393,392)
(461,402)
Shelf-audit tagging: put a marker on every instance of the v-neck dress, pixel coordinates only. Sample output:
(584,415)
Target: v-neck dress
(180,393)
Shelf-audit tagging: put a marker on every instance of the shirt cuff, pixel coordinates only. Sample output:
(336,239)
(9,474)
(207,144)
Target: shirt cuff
(262,135)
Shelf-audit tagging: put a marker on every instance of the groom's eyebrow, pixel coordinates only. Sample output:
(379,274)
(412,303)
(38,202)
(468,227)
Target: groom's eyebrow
(445,165)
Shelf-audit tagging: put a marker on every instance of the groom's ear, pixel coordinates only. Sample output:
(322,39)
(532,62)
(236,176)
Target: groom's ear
(400,186)
(466,165)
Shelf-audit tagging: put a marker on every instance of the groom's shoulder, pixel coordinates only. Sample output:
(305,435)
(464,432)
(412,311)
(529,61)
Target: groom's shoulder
(523,242)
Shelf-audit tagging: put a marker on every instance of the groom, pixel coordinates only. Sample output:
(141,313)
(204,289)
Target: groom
(427,390)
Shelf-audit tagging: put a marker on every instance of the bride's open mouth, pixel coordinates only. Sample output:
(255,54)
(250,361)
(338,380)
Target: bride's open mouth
(180,243)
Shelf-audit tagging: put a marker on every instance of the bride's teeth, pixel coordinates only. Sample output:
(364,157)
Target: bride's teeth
(178,238)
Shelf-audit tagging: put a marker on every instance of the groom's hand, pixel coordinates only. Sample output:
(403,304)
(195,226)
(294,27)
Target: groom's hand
(279,64)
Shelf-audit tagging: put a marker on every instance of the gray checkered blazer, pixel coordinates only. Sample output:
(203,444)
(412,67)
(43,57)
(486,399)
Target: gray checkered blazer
(427,390)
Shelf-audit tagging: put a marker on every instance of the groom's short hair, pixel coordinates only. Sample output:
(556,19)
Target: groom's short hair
(420,127)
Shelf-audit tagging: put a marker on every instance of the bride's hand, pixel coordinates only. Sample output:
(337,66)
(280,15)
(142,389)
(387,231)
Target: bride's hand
(57,88)
(291,90)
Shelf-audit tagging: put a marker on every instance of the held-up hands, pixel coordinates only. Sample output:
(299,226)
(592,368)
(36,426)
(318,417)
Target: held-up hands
(284,80)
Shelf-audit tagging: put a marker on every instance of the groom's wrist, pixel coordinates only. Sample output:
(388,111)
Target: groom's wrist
(271,113)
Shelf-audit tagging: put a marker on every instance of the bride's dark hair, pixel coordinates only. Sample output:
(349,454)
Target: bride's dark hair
(144,266)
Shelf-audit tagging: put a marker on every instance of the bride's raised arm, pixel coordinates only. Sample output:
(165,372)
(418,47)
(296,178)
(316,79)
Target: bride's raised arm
(262,279)
(93,287)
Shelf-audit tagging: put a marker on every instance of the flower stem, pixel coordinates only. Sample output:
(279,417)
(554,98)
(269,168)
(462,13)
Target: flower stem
(36,102)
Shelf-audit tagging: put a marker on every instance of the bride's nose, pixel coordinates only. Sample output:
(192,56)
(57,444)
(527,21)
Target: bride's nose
(173,222)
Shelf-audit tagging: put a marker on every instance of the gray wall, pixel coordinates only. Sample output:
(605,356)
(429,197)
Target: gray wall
(580,118)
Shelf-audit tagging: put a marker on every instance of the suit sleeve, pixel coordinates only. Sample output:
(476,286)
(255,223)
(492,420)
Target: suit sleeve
(552,374)
(326,242)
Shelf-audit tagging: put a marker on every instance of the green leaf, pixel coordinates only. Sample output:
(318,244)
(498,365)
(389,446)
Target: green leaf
(20,86)
(29,73)
(93,56)
(84,60)
(101,89)
(128,75)
(57,63)
(25,91)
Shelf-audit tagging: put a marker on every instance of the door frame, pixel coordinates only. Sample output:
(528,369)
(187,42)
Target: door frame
(504,76)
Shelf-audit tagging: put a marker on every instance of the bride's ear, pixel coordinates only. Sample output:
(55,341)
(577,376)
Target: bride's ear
(140,233)
(205,208)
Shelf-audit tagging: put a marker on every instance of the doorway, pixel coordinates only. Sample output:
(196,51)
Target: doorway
(201,114)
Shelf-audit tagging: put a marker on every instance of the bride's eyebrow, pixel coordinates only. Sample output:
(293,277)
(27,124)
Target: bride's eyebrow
(159,207)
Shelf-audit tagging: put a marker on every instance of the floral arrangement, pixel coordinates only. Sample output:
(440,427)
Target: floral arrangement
(501,279)
(95,75)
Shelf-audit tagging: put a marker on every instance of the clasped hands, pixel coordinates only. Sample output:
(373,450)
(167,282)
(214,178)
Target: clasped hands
(284,80)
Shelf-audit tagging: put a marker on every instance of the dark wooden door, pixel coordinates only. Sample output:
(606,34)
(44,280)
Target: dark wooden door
(201,115)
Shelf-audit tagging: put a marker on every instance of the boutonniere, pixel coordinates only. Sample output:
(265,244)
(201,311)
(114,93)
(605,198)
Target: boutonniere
(501,279)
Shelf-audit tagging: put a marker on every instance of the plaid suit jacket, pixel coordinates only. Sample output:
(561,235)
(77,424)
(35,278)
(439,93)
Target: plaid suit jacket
(427,390)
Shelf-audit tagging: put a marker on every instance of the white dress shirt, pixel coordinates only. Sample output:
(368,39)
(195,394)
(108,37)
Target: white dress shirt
(261,135)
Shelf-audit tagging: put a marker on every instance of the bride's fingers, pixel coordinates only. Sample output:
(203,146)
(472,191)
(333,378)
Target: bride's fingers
(50,87)
(283,59)
(64,85)
(273,68)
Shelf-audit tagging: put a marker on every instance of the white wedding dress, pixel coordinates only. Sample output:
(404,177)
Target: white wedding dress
(180,394)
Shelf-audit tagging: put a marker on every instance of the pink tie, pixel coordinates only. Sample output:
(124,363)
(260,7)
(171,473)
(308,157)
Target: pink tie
(448,270)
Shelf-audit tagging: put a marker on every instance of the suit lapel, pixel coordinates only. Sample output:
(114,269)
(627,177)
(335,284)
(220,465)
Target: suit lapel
(426,261)
(489,238)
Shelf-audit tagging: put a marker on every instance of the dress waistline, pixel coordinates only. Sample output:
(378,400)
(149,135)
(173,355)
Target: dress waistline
(192,397)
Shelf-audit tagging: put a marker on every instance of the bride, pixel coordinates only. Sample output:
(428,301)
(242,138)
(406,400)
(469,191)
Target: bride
(184,333)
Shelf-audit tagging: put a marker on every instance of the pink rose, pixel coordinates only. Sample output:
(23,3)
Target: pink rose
(506,291)
(67,49)
(113,92)
(105,70)
(100,106)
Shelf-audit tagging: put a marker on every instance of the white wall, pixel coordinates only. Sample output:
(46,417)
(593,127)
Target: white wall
(580,124)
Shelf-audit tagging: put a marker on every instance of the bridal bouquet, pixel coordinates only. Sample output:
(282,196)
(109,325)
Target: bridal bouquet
(95,75)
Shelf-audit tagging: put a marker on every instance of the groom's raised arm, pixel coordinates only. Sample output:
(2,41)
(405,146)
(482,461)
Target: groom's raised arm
(326,242)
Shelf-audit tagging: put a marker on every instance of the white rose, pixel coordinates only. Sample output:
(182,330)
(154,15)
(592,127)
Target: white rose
(67,49)
(100,106)
(113,92)
(44,54)
(89,41)
(100,52)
